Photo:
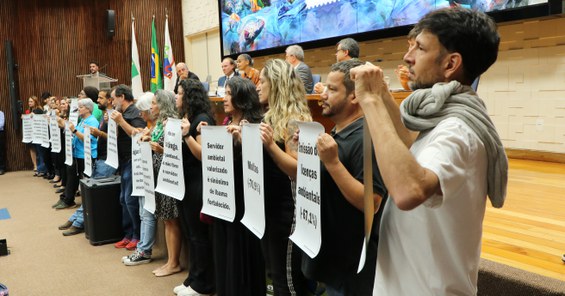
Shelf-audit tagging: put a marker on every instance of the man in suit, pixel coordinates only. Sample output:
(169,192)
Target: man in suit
(295,56)
(183,73)
(228,67)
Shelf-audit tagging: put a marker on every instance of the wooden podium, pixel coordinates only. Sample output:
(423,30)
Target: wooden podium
(100,81)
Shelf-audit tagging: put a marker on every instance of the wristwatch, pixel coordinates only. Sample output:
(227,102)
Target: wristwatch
(75,131)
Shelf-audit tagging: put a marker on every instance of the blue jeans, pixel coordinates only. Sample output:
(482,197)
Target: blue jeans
(101,170)
(40,158)
(147,231)
(334,292)
(130,204)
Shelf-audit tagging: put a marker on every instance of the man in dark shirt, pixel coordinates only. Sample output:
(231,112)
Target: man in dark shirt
(342,218)
(127,121)
(184,73)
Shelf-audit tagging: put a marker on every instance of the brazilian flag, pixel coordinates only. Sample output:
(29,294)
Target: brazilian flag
(156,77)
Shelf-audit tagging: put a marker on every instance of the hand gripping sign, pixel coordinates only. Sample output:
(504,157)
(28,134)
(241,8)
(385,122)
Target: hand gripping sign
(218,194)
(308,234)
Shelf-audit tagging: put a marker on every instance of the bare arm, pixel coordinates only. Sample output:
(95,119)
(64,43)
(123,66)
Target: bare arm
(408,183)
(351,188)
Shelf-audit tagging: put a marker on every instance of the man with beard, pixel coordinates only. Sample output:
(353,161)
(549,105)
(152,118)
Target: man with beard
(342,218)
(430,236)
(127,116)
(75,224)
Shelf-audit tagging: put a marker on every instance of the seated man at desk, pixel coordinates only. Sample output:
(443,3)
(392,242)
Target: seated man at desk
(228,67)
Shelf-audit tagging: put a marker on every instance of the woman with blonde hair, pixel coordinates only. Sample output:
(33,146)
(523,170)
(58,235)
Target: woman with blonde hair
(282,94)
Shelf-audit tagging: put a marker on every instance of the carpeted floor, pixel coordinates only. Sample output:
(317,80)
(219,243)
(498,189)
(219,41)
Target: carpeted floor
(44,262)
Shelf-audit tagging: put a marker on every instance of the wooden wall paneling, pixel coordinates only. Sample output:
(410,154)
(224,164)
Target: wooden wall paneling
(53,41)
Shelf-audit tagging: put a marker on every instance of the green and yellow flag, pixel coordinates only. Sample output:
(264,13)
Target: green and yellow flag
(156,77)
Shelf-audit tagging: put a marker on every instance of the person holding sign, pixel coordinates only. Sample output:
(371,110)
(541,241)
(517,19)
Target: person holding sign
(281,92)
(61,119)
(148,225)
(439,182)
(163,107)
(341,176)
(75,171)
(240,269)
(34,107)
(194,108)
(126,115)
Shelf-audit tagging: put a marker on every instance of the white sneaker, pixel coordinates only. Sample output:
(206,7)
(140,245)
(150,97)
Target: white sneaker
(190,292)
(126,258)
(179,288)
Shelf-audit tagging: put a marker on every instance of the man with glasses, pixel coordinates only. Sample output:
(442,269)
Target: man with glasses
(346,49)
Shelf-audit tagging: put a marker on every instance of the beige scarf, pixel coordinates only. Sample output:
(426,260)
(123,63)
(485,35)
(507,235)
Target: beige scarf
(426,108)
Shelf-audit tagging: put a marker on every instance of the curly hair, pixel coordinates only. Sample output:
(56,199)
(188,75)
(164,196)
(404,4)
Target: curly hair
(287,98)
(166,102)
(194,100)
(245,99)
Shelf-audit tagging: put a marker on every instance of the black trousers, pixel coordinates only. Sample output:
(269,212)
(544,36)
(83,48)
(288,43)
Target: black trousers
(240,269)
(74,174)
(282,257)
(2,151)
(199,238)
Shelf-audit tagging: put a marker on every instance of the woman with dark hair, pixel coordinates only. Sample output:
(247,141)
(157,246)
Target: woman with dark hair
(246,70)
(240,269)
(194,109)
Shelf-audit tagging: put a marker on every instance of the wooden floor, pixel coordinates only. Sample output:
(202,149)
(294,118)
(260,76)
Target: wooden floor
(529,231)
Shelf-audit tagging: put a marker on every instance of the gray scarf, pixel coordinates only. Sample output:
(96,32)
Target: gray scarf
(424,109)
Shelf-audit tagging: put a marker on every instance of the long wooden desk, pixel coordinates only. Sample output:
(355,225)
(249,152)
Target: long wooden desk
(315,109)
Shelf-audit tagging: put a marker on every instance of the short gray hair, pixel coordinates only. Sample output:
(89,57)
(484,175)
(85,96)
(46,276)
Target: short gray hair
(296,51)
(87,103)
(351,46)
(143,103)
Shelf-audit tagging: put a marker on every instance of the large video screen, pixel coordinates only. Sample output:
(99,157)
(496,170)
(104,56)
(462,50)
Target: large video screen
(254,25)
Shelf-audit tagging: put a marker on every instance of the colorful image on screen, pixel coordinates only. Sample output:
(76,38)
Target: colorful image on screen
(250,25)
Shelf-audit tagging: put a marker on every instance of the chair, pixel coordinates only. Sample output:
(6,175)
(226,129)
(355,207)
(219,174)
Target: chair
(315,79)
(206,86)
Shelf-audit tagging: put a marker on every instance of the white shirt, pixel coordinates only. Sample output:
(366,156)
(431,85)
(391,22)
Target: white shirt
(435,248)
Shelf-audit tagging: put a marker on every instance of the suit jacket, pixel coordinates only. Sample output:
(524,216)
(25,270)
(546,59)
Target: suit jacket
(190,76)
(222,79)
(305,75)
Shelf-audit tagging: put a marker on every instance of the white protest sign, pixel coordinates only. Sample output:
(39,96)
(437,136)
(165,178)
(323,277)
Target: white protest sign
(55,133)
(136,167)
(149,183)
(68,145)
(45,131)
(253,176)
(307,234)
(37,129)
(27,128)
(73,114)
(218,193)
(87,151)
(112,143)
(170,180)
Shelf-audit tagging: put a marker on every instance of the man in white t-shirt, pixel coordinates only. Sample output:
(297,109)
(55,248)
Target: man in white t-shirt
(430,236)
